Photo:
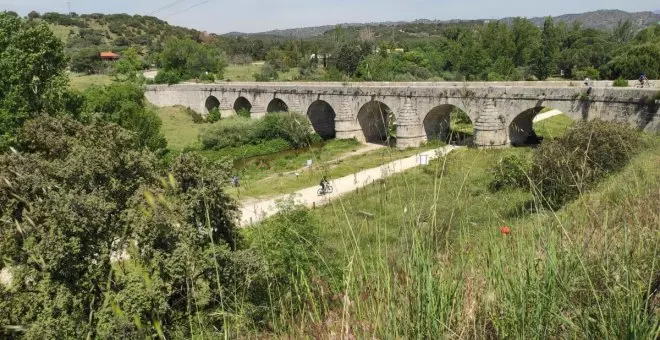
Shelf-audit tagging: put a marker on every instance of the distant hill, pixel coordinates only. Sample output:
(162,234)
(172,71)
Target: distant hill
(603,19)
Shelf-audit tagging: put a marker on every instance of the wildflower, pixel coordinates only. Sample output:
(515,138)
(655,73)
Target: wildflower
(505,230)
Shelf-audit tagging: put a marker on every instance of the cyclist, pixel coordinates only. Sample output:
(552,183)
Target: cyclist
(643,80)
(324,184)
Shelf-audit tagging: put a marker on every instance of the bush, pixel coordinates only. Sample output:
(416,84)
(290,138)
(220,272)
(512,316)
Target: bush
(293,128)
(620,82)
(262,148)
(267,73)
(197,118)
(567,166)
(511,172)
(207,77)
(168,77)
(243,113)
(214,115)
(232,132)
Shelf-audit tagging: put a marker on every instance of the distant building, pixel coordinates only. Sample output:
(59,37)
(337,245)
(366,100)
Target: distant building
(109,56)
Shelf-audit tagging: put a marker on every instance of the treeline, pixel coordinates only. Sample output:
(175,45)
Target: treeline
(471,50)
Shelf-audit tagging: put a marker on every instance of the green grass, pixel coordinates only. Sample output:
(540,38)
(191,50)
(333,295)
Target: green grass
(83,82)
(62,32)
(553,127)
(433,263)
(178,128)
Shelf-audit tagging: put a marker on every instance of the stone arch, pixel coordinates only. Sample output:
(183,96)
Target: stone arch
(277,105)
(322,116)
(242,104)
(211,103)
(448,122)
(373,118)
(522,130)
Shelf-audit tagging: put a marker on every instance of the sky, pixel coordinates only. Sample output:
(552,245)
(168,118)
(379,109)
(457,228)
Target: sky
(222,16)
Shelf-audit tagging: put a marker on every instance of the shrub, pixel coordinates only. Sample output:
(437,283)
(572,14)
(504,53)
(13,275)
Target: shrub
(168,77)
(197,118)
(511,172)
(214,115)
(232,132)
(267,73)
(620,82)
(565,167)
(243,113)
(207,77)
(292,127)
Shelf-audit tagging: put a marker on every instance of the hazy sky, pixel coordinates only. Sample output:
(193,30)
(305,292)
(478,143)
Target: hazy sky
(221,16)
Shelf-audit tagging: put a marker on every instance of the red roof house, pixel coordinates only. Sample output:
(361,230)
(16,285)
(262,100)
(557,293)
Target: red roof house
(109,56)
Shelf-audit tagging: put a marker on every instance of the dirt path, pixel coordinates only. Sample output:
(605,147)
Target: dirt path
(255,211)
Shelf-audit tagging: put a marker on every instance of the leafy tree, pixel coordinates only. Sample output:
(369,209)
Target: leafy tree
(76,197)
(128,65)
(191,59)
(87,60)
(545,58)
(349,58)
(526,38)
(33,15)
(123,104)
(32,76)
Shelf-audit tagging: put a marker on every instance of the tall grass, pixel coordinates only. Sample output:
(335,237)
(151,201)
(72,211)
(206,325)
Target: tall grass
(433,262)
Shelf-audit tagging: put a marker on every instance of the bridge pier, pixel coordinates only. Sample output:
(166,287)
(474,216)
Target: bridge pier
(489,129)
(409,128)
(346,126)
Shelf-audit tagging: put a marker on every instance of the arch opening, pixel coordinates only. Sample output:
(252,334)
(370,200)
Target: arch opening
(211,103)
(534,125)
(448,123)
(277,105)
(242,107)
(322,116)
(377,123)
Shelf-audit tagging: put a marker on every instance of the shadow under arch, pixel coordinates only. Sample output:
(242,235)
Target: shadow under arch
(277,105)
(322,116)
(211,103)
(449,124)
(375,118)
(532,126)
(242,105)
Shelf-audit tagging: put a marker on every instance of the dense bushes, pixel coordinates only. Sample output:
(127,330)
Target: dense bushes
(123,104)
(511,172)
(563,168)
(292,128)
(620,82)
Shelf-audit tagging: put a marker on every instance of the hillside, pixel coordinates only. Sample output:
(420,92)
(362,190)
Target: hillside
(603,19)
(113,31)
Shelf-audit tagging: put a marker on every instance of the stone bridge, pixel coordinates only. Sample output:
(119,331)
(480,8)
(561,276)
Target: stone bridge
(502,113)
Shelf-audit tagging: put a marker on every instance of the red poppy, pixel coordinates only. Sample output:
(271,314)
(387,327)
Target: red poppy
(505,230)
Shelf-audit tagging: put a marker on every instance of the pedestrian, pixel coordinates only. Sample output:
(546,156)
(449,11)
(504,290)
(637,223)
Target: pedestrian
(234,181)
(587,81)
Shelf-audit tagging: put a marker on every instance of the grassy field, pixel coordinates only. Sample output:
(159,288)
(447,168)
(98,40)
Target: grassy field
(553,127)
(178,127)
(82,82)
(424,255)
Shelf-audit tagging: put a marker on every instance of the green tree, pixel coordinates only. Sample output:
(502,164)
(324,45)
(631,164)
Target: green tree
(526,38)
(123,104)
(128,66)
(76,197)
(32,78)
(349,58)
(87,60)
(190,59)
(545,58)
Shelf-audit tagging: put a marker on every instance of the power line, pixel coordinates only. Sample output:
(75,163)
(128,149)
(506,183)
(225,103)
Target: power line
(189,8)
(168,6)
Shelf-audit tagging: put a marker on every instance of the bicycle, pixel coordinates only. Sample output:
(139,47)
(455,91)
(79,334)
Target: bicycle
(328,190)
(643,85)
